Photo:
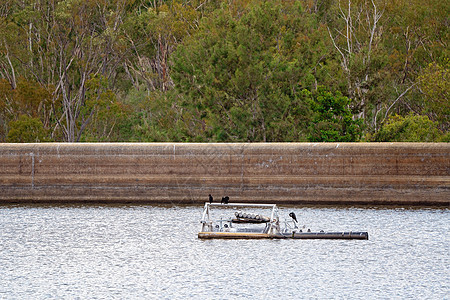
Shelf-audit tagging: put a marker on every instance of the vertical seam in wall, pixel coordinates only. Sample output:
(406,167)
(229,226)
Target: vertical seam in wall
(174,152)
(242,167)
(32,170)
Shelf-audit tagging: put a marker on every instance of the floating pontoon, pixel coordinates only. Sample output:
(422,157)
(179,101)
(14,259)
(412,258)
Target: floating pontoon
(246,225)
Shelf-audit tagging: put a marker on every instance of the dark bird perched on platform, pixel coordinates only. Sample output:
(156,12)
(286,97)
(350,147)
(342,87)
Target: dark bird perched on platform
(210,198)
(293,216)
(225,200)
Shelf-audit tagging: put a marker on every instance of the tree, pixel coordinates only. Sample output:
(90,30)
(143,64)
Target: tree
(158,118)
(27,98)
(435,86)
(242,73)
(356,37)
(26,130)
(332,119)
(152,35)
(412,128)
(210,70)
(101,113)
(60,44)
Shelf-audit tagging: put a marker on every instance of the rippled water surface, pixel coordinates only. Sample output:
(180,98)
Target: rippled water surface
(127,252)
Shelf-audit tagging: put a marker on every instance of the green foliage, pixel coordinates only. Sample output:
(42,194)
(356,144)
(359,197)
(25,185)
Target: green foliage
(242,74)
(241,70)
(158,118)
(27,98)
(412,128)
(382,47)
(101,112)
(26,130)
(332,118)
(435,85)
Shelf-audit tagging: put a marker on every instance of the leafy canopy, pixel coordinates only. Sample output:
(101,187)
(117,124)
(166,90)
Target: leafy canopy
(332,118)
(412,128)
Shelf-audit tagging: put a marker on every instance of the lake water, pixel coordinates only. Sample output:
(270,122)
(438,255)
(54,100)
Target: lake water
(146,252)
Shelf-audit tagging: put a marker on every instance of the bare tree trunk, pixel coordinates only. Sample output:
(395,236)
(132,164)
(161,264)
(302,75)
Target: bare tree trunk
(11,74)
(350,41)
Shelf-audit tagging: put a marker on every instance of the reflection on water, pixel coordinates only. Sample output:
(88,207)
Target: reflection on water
(107,252)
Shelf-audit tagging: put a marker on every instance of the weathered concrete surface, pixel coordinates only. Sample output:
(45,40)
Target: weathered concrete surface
(385,173)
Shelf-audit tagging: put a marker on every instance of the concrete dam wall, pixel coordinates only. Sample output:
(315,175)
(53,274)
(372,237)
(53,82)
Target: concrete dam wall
(284,173)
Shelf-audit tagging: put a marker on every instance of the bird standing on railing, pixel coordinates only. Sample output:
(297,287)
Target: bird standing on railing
(293,216)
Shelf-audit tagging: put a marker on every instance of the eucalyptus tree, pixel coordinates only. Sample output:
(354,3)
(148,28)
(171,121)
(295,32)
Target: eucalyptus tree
(382,47)
(434,84)
(356,31)
(152,34)
(61,45)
